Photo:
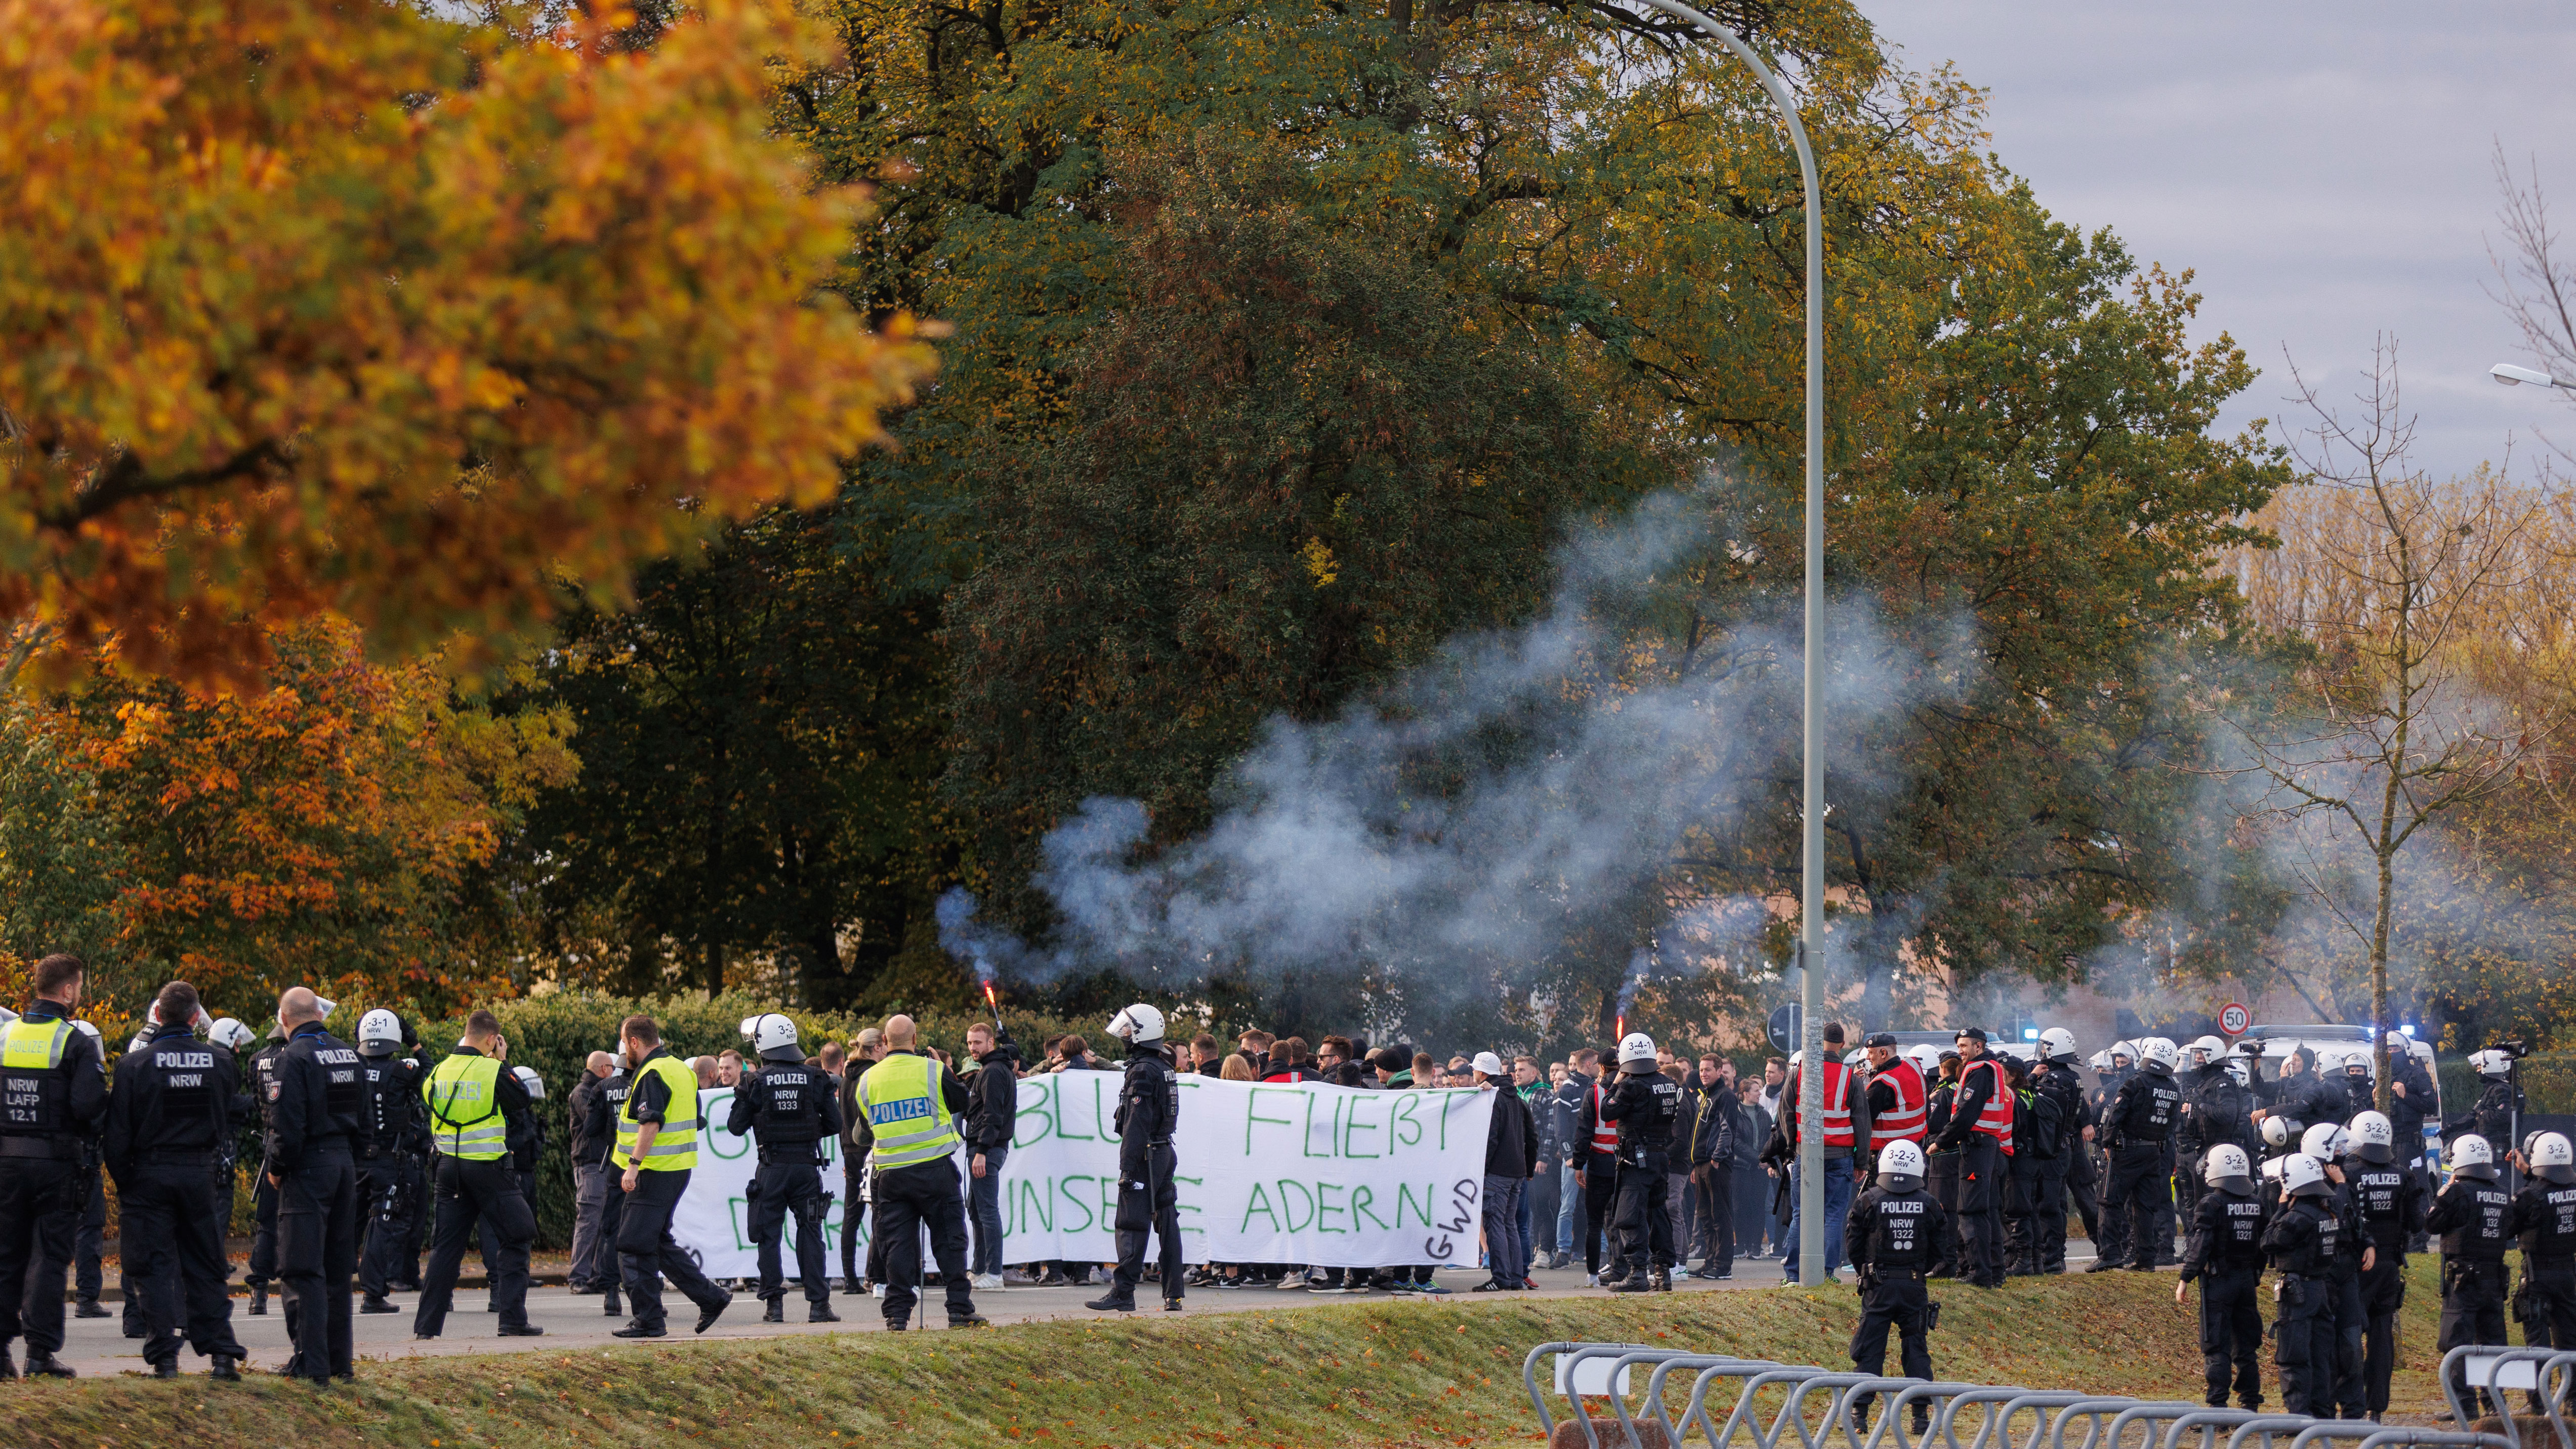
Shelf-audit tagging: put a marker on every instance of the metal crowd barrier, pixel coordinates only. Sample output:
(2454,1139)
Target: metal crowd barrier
(1585,1371)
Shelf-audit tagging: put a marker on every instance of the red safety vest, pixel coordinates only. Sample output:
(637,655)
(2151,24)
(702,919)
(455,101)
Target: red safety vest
(1997,1119)
(1605,1135)
(1838,1123)
(1903,1122)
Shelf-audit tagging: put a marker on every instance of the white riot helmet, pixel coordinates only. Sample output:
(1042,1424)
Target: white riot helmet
(2553,1158)
(1926,1059)
(1138,1025)
(2227,1169)
(2057,1042)
(140,1040)
(2279,1131)
(2123,1051)
(617,1060)
(90,1030)
(326,1006)
(1636,1047)
(2272,1169)
(534,1084)
(1796,1057)
(2490,1063)
(232,1036)
(7,1016)
(2240,1071)
(2303,1176)
(2374,1137)
(379,1033)
(771,1032)
(1900,1166)
(2158,1054)
(2324,1142)
(2208,1049)
(2356,1061)
(2473,1156)
(2102,1061)
(152,1018)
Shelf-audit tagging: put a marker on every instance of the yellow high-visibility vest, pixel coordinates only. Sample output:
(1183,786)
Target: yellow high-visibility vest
(465,1108)
(675,1146)
(909,1119)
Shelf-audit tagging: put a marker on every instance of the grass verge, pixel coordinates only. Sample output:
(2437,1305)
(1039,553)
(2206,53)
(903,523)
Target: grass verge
(1415,1374)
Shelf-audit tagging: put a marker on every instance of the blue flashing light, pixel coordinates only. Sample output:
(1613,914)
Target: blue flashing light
(2030,1033)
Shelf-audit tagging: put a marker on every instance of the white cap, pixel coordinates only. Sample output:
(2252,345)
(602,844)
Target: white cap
(2473,1156)
(2228,1170)
(1139,1024)
(2302,1176)
(2374,1137)
(1900,1166)
(1489,1064)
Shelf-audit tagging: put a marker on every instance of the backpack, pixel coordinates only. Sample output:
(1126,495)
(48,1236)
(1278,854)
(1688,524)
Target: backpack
(2040,1127)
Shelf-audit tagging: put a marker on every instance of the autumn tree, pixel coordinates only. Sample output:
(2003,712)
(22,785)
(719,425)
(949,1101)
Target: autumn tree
(317,308)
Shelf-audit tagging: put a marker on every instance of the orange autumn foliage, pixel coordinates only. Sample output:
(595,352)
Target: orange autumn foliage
(309,307)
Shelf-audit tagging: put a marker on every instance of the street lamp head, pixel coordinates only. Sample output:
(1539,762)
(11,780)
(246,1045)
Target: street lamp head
(2512,376)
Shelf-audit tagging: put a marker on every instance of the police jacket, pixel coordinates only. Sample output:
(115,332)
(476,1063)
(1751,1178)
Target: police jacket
(2473,1218)
(320,1106)
(2544,1218)
(1511,1137)
(263,1084)
(173,1103)
(2492,1117)
(1149,1109)
(2406,1109)
(48,1112)
(1968,1102)
(2384,1193)
(2145,1112)
(2219,1112)
(789,1107)
(1644,1104)
(1894,1230)
(591,1132)
(2226,1235)
(992,1102)
(396,1121)
(2057,1082)
(2304,1237)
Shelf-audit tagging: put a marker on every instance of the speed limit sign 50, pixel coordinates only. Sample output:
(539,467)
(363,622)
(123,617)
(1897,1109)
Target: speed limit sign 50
(2234,1018)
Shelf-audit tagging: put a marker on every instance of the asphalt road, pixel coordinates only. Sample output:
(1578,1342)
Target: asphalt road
(97,1346)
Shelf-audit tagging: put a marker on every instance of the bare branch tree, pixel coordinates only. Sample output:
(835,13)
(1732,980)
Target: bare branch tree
(2535,275)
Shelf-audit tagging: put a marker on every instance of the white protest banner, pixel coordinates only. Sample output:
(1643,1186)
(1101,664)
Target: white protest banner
(1336,1177)
(1332,1176)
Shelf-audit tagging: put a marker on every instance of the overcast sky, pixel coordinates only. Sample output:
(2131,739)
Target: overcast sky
(2325,168)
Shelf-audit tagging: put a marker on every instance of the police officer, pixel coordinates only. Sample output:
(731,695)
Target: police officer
(2302,1240)
(2383,1188)
(2054,1078)
(1894,1232)
(1149,1109)
(2328,1144)
(606,1109)
(166,1121)
(1644,1105)
(657,1148)
(2136,1130)
(53,1092)
(474,1107)
(791,1109)
(393,1121)
(2225,1252)
(2544,1218)
(2473,1218)
(262,1272)
(2499,1105)
(1981,1123)
(316,1126)
(1941,1164)
(527,1147)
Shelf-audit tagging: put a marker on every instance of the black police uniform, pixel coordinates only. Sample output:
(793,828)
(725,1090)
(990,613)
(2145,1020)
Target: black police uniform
(2473,1219)
(2225,1253)
(527,1147)
(1940,1173)
(316,1126)
(46,1114)
(388,1173)
(1892,1239)
(2302,1240)
(487,1190)
(1149,1109)
(2343,1277)
(2543,1217)
(1983,1172)
(2215,1111)
(166,1121)
(2391,1215)
(1644,1105)
(646,1251)
(2056,1081)
(601,1128)
(2140,1126)
(790,1108)
(262,1272)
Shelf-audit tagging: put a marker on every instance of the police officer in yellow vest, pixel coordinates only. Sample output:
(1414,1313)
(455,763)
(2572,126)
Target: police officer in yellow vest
(657,1145)
(475,1107)
(907,1116)
(53,1092)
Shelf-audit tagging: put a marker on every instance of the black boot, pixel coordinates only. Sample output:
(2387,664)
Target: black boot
(821,1313)
(608,1305)
(227,1369)
(1662,1282)
(1634,1283)
(776,1312)
(377,1303)
(1116,1300)
(90,1308)
(48,1365)
(258,1299)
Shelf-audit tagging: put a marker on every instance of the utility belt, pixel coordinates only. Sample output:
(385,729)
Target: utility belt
(2457,1270)
(1882,1274)
(793,1154)
(203,1161)
(2552,1263)
(60,1148)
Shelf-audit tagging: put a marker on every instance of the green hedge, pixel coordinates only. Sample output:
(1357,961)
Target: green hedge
(2548,1083)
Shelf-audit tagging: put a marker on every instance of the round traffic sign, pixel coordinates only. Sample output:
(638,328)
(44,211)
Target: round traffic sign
(2234,1018)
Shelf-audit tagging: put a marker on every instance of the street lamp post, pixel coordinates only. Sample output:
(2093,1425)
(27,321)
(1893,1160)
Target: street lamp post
(2507,373)
(1811,912)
